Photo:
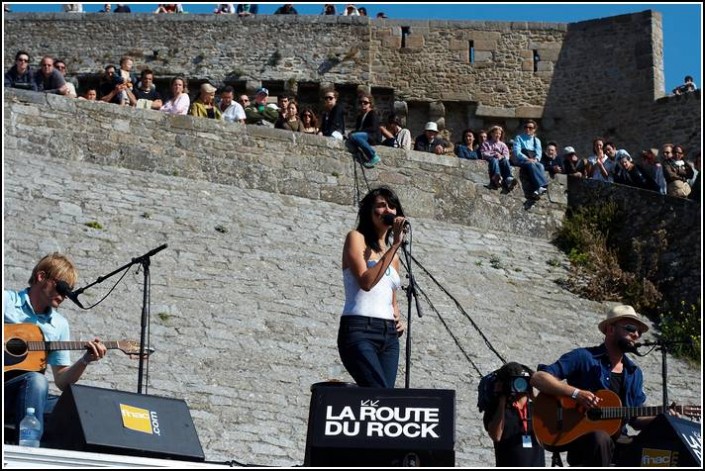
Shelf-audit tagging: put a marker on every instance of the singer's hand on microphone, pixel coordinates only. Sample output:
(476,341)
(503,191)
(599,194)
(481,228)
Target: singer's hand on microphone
(399,228)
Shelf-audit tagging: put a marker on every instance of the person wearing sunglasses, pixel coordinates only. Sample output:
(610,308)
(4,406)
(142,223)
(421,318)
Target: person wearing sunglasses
(36,306)
(332,117)
(589,370)
(20,75)
(48,79)
(527,155)
(366,133)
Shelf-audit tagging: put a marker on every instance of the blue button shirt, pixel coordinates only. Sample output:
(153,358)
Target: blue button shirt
(589,368)
(18,310)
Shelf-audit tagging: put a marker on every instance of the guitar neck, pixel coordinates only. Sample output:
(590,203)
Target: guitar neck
(40,345)
(627,412)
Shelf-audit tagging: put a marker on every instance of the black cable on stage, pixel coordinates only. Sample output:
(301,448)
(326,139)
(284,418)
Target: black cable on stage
(460,307)
(448,329)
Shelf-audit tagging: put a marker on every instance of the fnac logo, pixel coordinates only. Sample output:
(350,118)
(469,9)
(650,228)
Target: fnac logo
(136,419)
(653,457)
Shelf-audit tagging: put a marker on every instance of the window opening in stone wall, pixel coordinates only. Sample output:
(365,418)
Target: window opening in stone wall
(471,50)
(537,58)
(405,31)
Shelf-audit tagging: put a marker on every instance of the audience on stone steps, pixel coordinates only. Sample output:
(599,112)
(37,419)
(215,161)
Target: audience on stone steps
(668,173)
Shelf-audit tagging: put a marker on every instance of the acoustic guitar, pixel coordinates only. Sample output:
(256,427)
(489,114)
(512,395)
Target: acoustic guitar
(26,350)
(560,420)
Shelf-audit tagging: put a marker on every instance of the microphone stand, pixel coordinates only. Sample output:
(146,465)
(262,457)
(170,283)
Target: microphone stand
(411,292)
(663,346)
(144,260)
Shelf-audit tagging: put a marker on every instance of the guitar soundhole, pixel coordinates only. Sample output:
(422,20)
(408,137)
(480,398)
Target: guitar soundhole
(16,347)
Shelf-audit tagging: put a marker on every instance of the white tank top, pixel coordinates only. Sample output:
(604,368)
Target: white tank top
(376,302)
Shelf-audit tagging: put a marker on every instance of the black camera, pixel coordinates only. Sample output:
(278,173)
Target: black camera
(517,384)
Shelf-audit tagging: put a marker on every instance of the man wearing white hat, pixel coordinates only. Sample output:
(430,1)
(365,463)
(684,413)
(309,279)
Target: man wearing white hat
(588,370)
(429,141)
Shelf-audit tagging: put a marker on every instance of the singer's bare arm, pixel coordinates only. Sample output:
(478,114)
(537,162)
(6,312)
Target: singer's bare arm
(356,253)
(65,375)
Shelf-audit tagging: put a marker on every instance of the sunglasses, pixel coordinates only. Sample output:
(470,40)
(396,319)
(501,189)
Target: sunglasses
(529,127)
(329,98)
(631,328)
(22,60)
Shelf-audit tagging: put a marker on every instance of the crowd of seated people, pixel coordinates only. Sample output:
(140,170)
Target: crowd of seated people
(666,170)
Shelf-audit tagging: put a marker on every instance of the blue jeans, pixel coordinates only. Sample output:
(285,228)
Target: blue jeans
(360,141)
(369,348)
(535,171)
(28,390)
(499,166)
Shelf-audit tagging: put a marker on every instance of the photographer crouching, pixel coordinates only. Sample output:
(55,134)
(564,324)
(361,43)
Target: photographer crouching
(507,418)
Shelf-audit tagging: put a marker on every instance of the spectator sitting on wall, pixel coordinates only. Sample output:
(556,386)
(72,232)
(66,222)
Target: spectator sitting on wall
(204,106)
(652,168)
(48,79)
(551,160)
(572,164)
(688,86)
(225,9)
(632,175)
(20,75)
(382,15)
(246,9)
(122,8)
(328,9)
(146,93)
(362,11)
(429,141)
(233,112)
(466,148)
(259,112)
(70,82)
(396,135)
(351,10)
(286,9)
(332,117)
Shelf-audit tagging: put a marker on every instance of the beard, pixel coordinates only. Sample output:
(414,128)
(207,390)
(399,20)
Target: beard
(626,346)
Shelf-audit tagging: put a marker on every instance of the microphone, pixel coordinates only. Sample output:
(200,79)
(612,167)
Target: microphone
(64,290)
(646,344)
(389,220)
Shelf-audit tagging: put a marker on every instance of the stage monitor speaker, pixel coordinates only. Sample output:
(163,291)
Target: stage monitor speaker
(122,423)
(350,426)
(666,442)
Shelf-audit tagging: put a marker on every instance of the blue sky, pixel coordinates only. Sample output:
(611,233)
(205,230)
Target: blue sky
(682,23)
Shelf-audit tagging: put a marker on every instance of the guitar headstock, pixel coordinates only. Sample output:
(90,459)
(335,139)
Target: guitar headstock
(692,411)
(131,347)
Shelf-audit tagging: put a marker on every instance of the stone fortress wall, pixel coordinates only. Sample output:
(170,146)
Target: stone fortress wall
(601,77)
(246,299)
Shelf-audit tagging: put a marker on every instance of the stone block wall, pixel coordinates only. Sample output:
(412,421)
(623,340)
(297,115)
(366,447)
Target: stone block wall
(579,80)
(274,160)
(646,213)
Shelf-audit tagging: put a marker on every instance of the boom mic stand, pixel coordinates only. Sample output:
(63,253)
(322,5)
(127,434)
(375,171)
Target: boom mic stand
(144,261)
(411,292)
(663,346)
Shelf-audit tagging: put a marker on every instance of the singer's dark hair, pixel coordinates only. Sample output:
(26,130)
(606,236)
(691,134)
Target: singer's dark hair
(56,266)
(364,214)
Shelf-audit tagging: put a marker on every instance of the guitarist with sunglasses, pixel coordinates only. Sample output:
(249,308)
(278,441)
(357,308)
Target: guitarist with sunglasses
(588,372)
(38,305)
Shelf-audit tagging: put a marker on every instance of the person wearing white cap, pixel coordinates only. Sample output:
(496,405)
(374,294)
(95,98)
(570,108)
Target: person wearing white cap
(429,141)
(588,371)
(204,106)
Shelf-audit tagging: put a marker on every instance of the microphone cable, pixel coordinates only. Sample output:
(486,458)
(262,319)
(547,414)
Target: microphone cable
(465,313)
